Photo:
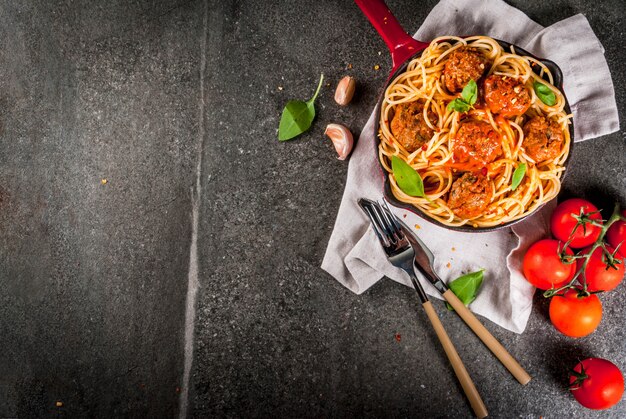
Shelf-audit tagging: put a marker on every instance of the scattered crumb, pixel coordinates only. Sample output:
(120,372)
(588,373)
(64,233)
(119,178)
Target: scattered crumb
(448,265)
(104,181)
(376,67)
(398,337)
(422,386)
(59,404)
(454,249)
(327,84)
(349,66)
(280,87)
(379,52)
(417,226)
(177,390)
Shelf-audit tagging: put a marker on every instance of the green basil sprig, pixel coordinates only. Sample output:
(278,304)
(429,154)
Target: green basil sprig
(518,175)
(466,287)
(469,95)
(407,178)
(297,116)
(544,93)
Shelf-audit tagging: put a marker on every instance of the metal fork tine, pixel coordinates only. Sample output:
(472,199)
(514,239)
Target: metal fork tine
(369,209)
(387,228)
(392,217)
(378,229)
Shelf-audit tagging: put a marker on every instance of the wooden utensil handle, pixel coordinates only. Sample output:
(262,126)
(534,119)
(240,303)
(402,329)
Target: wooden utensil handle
(492,343)
(457,364)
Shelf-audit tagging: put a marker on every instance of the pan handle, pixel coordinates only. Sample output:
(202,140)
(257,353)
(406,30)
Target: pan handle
(400,44)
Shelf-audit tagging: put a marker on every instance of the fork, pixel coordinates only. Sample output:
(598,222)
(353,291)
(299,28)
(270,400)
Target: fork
(401,255)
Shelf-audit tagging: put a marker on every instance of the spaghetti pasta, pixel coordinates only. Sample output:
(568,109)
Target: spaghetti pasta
(489,141)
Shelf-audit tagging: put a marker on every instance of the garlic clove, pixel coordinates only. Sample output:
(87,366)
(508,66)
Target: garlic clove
(341,138)
(345,90)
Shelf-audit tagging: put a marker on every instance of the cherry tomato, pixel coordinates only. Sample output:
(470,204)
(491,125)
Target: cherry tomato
(543,267)
(598,384)
(575,316)
(563,223)
(600,276)
(617,235)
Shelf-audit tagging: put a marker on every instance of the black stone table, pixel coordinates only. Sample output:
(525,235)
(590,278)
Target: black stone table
(140,171)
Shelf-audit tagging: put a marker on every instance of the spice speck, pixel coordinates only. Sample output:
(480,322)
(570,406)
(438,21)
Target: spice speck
(398,337)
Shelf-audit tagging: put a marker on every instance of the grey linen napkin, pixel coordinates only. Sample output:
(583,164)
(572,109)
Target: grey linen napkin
(354,256)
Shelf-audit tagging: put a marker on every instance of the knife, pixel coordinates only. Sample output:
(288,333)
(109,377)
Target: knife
(424,262)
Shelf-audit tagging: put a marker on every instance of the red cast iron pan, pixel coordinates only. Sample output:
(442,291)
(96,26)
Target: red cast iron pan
(403,48)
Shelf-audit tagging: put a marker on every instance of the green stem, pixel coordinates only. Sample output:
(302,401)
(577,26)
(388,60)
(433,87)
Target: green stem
(616,216)
(319,86)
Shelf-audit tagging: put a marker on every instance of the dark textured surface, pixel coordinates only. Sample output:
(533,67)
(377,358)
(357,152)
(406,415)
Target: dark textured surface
(94,276)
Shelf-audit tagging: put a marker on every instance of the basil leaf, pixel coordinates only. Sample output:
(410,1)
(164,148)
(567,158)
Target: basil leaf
(544,93)
(297,116)
(407,178)
(518,175)
(458,105)
(470,92)
(466,287)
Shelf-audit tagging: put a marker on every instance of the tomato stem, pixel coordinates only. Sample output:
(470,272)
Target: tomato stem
(583,219)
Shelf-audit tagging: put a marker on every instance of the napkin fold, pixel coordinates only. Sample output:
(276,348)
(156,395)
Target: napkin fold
(354,256)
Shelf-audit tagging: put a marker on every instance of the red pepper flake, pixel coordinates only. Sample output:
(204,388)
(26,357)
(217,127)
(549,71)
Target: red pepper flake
(398,337)
(425,147)
(403,215)
(484,171)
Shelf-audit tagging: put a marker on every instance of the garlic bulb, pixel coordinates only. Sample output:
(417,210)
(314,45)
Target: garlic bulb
(341,138)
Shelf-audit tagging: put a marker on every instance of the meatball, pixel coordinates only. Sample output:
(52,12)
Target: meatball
(409,127)
(543,139)
(470,195)
(476,142)
(463,65)
(506,96)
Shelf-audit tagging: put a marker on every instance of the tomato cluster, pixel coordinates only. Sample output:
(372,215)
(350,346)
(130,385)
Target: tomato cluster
(574,279)
(584,258)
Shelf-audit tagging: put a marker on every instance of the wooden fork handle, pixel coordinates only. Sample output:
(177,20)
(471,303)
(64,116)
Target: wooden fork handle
(457,364)
(492,343)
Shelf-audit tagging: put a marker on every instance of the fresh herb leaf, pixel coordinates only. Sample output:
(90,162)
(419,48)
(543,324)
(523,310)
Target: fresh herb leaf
(466,287)
(458,105)
(407,178)
(518,175)
(470,92)
(469,95)
(297,116)
(544,93)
